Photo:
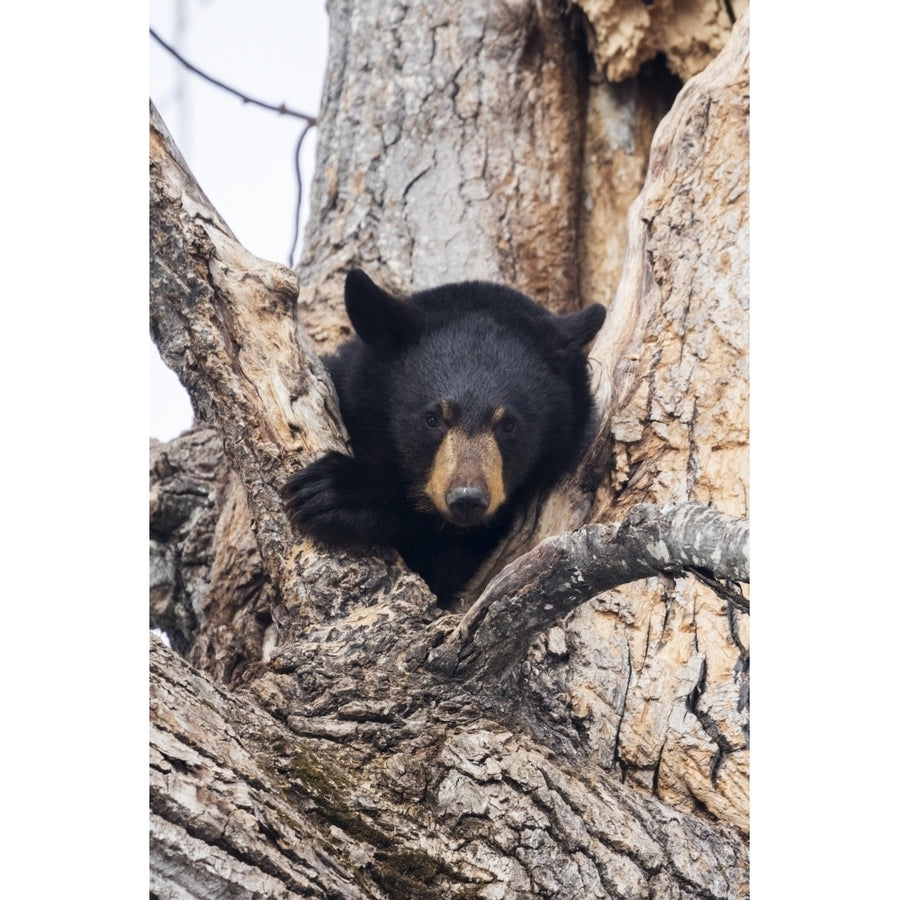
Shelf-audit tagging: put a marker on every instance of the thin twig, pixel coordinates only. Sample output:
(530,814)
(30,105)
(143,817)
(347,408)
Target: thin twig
(281,109)
(296,238)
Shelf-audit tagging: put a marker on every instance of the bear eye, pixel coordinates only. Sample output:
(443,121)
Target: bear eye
(508,426)
(432,421)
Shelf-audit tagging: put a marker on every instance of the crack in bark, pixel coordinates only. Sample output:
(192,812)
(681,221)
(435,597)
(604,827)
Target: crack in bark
(365,649)
(729,591)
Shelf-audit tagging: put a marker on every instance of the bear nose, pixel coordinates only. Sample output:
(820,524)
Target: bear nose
(467,505)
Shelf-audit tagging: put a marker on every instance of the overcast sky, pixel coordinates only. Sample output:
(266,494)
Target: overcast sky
(824,195)
(242,156)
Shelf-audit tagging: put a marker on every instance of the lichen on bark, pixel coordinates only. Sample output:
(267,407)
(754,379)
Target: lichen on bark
(354,743)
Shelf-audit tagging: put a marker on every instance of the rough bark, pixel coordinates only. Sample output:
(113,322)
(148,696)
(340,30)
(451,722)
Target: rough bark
(655,678)
(421,798)
(377,747)
(462,161)
(208,590)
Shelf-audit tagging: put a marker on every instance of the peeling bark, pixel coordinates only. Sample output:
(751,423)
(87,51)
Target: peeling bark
(575,733)
(689,33)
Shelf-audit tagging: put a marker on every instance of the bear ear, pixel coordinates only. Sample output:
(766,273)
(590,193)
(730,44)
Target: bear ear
(383,321)
(576,329)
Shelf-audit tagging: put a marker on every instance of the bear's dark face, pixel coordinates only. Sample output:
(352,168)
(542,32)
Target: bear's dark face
(488,392)
(467,418)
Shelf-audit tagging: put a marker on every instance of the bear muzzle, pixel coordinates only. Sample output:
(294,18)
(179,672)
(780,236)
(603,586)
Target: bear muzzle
(465,484)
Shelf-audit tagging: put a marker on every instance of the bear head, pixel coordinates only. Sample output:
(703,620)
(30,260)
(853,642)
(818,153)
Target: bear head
(486,394)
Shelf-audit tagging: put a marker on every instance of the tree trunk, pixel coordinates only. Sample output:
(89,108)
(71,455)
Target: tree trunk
(581,730)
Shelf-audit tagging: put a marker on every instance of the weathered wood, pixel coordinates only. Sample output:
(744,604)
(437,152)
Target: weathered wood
(224,321)
(656,676)
(603,754)
(208,588)
(563,572)
(220,823)
(691,33)
(385,801)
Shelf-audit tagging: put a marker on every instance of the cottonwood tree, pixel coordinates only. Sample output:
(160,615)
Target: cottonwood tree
(579,728)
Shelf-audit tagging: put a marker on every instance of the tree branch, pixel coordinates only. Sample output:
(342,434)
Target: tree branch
(295,239)
(281,109)
(225,322)
(565,571)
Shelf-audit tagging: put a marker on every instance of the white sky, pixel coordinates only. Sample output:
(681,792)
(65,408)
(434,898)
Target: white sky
(824,199)
(242,155)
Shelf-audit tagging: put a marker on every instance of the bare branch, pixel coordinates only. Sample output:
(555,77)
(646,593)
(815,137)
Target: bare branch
(295,240)
(281,109)
(565,571)
(223,321)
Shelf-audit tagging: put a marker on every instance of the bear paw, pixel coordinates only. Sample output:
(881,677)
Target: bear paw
(338,501)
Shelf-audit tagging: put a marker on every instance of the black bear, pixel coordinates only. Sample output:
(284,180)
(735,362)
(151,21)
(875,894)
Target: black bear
(460,402)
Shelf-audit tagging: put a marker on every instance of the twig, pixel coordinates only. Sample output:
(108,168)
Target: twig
(281,108)
(296,238)
(725,591)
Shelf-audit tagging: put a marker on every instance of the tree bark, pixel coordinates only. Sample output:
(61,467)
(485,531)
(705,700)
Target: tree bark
(413,795)
(580,730)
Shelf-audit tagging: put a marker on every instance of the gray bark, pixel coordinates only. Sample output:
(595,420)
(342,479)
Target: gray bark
(412,793)
(582,729)
(563,572)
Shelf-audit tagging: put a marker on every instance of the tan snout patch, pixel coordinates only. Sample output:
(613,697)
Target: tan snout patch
(465,460)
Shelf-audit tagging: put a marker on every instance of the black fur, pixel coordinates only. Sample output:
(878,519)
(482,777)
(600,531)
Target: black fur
(480,346)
